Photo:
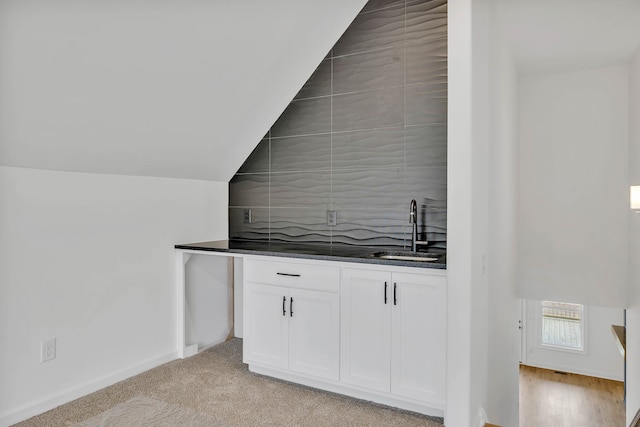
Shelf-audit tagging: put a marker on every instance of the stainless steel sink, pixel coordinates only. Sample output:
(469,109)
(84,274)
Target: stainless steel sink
(408,256)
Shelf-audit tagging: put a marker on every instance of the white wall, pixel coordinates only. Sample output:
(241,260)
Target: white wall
(89,259)
(601,358)
(479,210)
(633,310)
(504,306)
(573,195)
(481,354)
(459,192)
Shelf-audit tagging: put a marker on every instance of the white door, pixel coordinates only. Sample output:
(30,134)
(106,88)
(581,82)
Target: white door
(418,344)
(266,327)
(314,333)
(557,342)
(366,328)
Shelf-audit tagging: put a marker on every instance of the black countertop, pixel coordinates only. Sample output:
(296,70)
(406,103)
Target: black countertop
(328,252)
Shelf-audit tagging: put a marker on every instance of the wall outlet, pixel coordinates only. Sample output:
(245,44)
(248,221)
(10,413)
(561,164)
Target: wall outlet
(48,350)
(332,218)
(246,213)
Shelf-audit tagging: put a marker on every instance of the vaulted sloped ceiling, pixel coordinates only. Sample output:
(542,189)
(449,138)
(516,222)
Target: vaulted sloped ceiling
(168,88)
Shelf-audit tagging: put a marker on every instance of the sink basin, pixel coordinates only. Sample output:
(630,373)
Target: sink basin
(407,256)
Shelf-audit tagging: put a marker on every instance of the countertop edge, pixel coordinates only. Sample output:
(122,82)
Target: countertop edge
(283,254)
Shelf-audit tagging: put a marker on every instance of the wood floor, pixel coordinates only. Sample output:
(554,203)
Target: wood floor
(548,398)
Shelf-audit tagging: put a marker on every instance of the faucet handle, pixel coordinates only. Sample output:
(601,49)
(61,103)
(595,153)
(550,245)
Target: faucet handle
(413,211)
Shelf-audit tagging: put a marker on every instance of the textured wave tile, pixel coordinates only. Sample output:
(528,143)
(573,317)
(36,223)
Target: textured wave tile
(368,110)
(380,4)
(368,149)
(427,62)
(301,153)
(426,21)
(369,227)
(258,160)
(249,190)
(300,225)
(258,229)
(304,117)
(426,103)
(428,185)
(367,188)
(435,226)
(436,220)
(361,160)
(301,189)
(426,145)
(432,225)
(374,30)
(368,70)
(319,84)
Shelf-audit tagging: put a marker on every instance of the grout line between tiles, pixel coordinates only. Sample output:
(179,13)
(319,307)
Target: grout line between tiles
(381,88)
(340,132)
(269,191)
(404,107)
(331,149)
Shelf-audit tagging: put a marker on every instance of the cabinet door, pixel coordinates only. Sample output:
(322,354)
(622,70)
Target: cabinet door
(266,325)
(314,333)
(366,328)
(418,346)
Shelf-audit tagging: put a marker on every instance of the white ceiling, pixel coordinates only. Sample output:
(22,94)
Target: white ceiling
(564,35)
(169,88)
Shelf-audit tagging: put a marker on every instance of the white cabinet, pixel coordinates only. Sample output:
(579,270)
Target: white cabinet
(366,329)
(418,337)
(267,325)
(292,315)
(373,332)
(393,333)
(314,333)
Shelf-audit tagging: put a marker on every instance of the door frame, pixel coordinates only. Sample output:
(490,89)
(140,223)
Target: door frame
(523,331)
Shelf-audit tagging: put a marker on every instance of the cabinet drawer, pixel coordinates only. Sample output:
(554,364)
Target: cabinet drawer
(292,274)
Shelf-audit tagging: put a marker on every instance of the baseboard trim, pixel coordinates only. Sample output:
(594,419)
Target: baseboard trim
(426,408)
(32,409)
(481,418)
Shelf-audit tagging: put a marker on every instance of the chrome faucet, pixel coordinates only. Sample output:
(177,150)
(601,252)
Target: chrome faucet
(413,219)
(413,213)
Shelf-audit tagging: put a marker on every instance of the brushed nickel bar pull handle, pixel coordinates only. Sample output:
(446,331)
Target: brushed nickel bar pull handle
(284,309)
(291,306)
(288,274)
(395,300)
(385,293)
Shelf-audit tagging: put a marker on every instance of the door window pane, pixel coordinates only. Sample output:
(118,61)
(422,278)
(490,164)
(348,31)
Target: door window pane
(562,325)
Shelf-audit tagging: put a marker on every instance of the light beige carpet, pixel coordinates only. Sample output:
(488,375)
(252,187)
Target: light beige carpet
(215,383)
(143,411)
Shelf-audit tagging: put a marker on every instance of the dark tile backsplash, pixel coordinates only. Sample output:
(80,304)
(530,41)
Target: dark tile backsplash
(303,117)
(308,225)
(301,189)
(319,84)
(366,134)
(366,110)
(368,70)
(368,149)
(373,30)
(301,153)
